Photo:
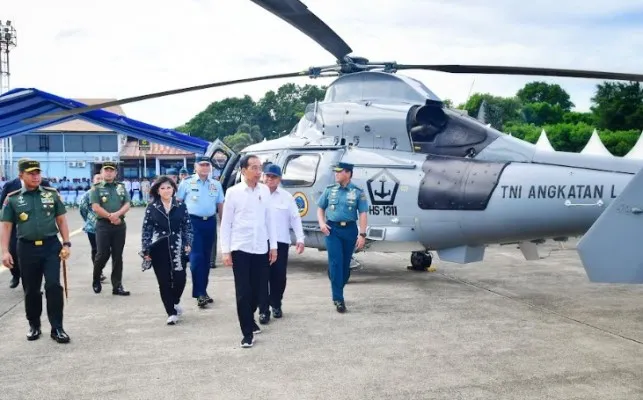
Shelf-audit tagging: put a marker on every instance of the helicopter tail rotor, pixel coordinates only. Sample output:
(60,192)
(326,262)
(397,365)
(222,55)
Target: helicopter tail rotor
(611,250)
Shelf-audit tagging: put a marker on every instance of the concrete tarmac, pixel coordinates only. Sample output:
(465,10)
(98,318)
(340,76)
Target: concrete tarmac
(504,328)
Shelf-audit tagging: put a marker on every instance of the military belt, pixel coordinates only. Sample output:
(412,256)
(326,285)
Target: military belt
(38,242)
(340,223)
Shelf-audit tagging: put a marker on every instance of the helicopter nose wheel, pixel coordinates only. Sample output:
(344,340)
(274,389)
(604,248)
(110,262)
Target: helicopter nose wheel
(421,261)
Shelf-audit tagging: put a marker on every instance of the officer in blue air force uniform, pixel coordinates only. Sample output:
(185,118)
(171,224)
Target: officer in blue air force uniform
(340,206)
(203,197)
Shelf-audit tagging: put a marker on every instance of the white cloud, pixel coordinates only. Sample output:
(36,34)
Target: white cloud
(125,48)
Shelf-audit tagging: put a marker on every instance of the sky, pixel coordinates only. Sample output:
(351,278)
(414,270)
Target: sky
(123,48)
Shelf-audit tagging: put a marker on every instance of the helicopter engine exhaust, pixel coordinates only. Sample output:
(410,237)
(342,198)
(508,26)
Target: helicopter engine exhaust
(424,122)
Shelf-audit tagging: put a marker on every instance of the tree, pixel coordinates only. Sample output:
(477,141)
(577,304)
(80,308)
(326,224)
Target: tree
(618,106)
(500,110)
(282,110)
(238,141)
(222,118)
(543,113)
(542,92)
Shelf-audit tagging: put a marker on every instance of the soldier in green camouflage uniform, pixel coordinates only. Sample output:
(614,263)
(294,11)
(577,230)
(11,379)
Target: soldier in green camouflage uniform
(37,213)
(110,201)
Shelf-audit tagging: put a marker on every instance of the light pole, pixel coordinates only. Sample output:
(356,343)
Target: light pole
(8,40)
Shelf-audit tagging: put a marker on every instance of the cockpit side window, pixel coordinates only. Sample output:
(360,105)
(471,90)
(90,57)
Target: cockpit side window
(300,170)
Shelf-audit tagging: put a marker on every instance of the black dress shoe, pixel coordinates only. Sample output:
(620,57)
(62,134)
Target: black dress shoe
(59,335)
(119,291)
(14,282)
(96,285)
(34,333)
(341,307)
(264,318)
(209,299)
(276,312)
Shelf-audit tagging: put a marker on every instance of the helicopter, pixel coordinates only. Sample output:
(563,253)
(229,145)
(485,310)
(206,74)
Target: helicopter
(436,178)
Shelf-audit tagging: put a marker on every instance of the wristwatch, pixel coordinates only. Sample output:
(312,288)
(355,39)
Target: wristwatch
(68,244)
(363,235)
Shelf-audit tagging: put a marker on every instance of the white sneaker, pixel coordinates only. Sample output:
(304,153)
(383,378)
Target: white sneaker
(172,319)
(179,309)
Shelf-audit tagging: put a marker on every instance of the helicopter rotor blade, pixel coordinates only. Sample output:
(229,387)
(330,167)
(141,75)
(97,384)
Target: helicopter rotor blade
(297,14)
(529,71)
(80,110)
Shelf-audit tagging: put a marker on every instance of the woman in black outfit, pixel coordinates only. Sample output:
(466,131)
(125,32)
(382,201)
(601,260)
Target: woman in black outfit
(166,239)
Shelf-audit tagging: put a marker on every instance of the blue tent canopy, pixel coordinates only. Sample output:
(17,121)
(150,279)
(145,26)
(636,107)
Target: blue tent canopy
(20,104)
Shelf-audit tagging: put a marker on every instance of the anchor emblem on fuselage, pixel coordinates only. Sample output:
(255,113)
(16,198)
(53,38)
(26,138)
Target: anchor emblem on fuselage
(384,193)
(381,194)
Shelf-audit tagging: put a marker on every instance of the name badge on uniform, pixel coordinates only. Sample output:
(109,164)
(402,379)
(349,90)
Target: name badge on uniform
(23,216)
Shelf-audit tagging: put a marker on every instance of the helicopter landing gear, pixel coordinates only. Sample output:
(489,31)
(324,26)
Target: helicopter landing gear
(421,261)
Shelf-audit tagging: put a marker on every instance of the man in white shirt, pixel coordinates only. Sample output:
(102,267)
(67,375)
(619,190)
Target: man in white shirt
(248,242)
(286,216)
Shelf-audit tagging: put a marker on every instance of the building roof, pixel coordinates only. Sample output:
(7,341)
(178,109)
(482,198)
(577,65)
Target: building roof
(130,150)
(27,110)
(78,125)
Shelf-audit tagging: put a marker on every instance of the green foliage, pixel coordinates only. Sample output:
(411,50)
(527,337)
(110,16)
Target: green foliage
(499,110)
(274,115)
(617,114)
(618,105)
(541,92)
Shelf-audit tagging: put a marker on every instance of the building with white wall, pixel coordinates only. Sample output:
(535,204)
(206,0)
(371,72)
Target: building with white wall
(73,149)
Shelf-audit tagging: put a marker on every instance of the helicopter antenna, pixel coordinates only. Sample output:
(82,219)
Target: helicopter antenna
(469,95)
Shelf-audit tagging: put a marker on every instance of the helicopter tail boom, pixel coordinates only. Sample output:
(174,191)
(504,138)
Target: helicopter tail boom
(611,250)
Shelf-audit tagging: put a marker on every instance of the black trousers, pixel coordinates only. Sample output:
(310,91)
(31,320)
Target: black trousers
(250,270)
(13,250)
(273,290)
(92,242)
(171,282)
(36,262)
(110,241)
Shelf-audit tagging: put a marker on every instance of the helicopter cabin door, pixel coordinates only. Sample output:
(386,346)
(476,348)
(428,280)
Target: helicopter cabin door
(223,161)
(306,174)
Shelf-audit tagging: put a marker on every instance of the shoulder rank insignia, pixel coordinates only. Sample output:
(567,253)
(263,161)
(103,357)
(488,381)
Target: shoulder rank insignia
(6,200)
